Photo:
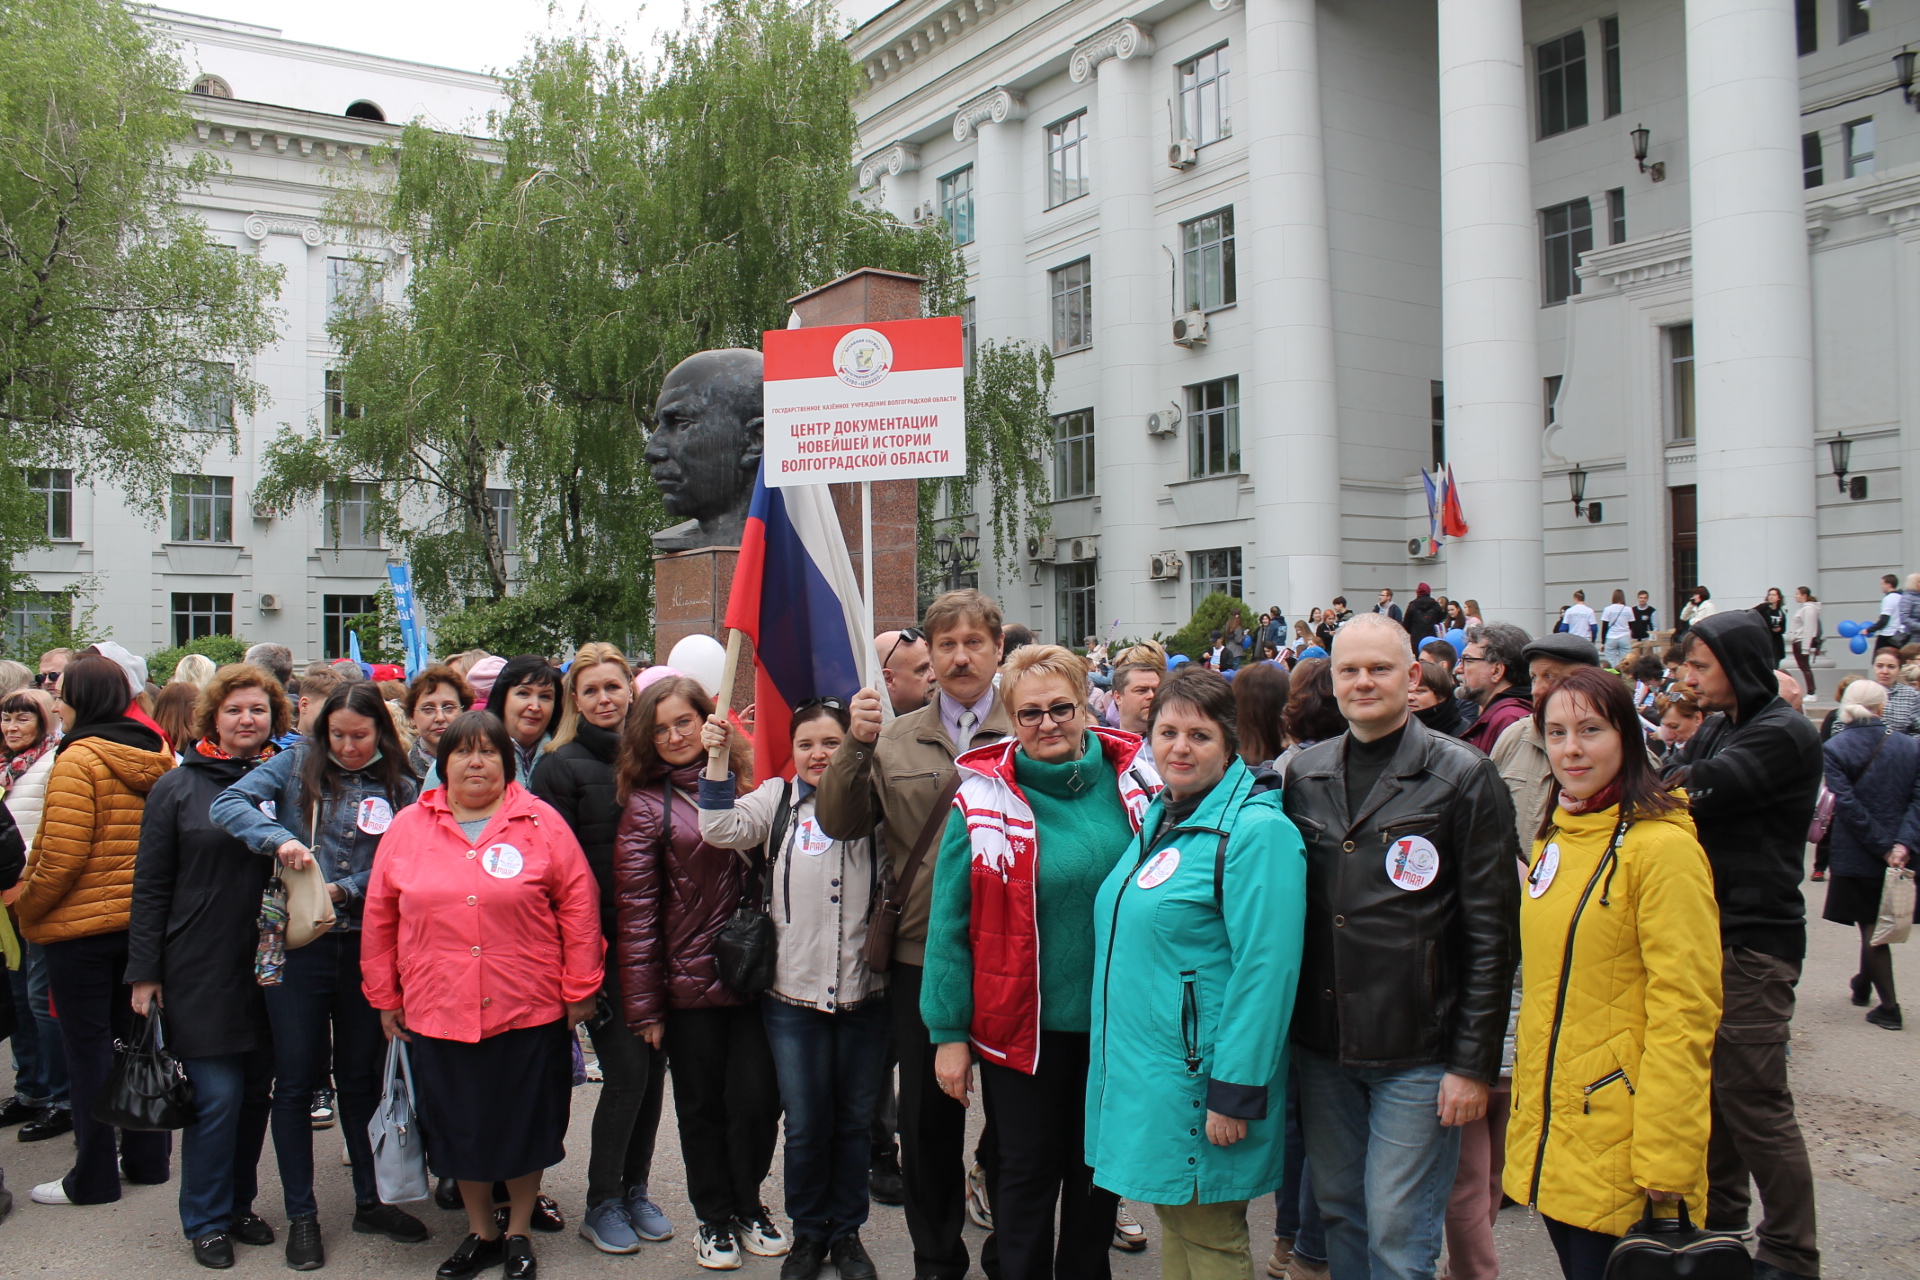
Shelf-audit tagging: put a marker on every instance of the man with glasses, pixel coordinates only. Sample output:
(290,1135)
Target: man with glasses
(52,663)
(1493,671)
(907,666)
(898,775)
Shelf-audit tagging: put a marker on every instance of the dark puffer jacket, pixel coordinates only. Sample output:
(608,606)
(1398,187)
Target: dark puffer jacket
(674,895)
(1875,779)
(576,778)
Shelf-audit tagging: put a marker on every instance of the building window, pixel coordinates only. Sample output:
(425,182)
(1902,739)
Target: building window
(1610,63)
(1550,398)
(1855,19)
(347,511)
(501,502)
(1617,216)
(1214,573)
(1437,395)
(1806,25)
(1067,159)
(1566,232)
(1072,288)
(1213,417)
(956,204)
(1073,454)
(212,87)
(36,617)
(969,335)
(206,399)
(1684,519)
(1813,169)
(1859,138)
(53,486)
(1560,70)
(336,616)
(201,613)
(1204,114)
(1680,382)
(1206,245)
(339,410)
(1077,614)
(203,509)
(354,287)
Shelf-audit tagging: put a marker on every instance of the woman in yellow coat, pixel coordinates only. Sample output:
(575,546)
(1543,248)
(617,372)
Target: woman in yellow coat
(1620,957)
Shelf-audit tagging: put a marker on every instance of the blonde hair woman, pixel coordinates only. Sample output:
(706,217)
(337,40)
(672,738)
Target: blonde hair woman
(195,669)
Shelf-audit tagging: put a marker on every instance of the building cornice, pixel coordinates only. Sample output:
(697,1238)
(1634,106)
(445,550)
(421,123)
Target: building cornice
(886,49)
(901,157)
(289,131)
(996,106)
(1639,261)
(1123,40)
(267,41)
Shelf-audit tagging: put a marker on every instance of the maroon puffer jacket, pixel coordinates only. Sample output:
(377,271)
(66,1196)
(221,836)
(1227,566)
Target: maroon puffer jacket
(671,903)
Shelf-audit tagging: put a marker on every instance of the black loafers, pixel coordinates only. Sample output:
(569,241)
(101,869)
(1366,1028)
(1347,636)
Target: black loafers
(50,1125)
(396,1225)
(251,1229)
(546,1217)
(520,1263)
(213,1250)
(850,1258)
(472,1257)
(446,1194)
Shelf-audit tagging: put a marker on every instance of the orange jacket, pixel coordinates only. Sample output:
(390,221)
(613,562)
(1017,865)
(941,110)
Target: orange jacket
(79,881)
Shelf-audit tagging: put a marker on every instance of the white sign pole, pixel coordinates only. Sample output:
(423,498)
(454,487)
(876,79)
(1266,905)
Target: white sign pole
(866,579)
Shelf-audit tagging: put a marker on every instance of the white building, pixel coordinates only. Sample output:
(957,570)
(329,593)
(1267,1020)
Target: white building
(291,122)
(1360,202)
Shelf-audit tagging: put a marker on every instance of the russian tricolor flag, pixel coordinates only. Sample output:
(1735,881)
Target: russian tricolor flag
(795,596)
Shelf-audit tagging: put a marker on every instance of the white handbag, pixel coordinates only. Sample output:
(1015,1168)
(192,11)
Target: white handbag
(399,1155)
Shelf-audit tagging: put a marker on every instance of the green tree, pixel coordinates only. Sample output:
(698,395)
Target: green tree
(121,322)
(625,215)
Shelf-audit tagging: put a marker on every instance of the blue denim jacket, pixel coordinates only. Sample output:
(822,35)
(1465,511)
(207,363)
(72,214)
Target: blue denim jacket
(265,809)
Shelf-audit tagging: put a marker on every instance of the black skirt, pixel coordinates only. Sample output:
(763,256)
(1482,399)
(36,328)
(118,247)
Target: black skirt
(1853,899)
(496,1109)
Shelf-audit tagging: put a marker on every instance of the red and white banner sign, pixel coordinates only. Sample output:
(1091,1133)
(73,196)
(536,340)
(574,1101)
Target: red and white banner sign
(882,401)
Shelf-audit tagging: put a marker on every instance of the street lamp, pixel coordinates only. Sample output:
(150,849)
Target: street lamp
(1840,450)
(1642,138)
(1903,71)
(954,565)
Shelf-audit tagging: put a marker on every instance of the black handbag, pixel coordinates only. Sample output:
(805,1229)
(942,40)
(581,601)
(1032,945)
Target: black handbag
(1669,1248)
(146,1087)
(744,950)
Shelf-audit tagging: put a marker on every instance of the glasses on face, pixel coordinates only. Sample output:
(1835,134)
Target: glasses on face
(1471,658)
(1059,713)
(912,635)
(46,679)
(684,727)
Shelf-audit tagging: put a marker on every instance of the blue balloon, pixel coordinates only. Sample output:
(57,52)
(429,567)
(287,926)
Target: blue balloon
(1458,639)
(1849,629)
(1858,644)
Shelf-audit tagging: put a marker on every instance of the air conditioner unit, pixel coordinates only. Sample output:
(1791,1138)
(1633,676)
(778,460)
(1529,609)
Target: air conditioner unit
(1423,548)
(1164,423)
(1033,547)
(925,215)
(1190,330)
(1076,550)
(1164,566)
(269,602)
(1183,154)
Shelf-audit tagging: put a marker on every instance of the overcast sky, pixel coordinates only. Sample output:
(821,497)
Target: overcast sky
(474,35)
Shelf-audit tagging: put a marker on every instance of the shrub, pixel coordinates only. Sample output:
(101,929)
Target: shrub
(222,649)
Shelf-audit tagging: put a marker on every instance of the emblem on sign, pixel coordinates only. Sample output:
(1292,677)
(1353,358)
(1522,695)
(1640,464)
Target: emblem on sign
(1159,868)
(502,861)
(863,357)
(1412,862)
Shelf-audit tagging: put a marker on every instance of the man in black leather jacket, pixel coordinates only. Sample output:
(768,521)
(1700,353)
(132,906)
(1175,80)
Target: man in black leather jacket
(1752,773)
(1413,897)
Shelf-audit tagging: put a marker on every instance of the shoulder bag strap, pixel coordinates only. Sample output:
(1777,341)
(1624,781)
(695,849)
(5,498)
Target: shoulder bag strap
(1220,873)
(903,888)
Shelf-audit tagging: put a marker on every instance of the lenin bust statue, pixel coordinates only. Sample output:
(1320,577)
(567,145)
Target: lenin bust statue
(705,447)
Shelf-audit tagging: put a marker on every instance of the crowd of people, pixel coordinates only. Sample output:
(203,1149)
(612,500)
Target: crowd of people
(1394,917)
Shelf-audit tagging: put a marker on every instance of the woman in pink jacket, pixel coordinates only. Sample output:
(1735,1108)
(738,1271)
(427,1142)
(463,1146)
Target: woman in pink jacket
(482,950)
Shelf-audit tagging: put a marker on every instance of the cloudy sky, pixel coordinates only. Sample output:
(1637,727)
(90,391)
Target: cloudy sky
(475,35)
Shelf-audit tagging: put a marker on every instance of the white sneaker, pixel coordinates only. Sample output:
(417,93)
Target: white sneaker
(760,1235)
(54,1192)
(715,1249)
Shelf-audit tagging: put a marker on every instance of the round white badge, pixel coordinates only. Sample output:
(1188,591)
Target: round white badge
(1412,862)
(375,816)
(269,808)
(1541,877)
(814,841)
(502,861)
(1159,869)
(863,357)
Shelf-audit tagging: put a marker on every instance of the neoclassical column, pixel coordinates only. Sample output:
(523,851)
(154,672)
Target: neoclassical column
(1489,305)
(1290,423)
(1130,314)
(1752,300)
(1000,298)
(887,169)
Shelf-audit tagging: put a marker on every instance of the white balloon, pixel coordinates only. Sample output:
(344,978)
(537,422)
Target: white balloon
(703,658)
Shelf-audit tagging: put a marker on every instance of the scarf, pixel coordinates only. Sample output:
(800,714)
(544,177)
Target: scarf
(1605,798)
(16,768)
(214,751)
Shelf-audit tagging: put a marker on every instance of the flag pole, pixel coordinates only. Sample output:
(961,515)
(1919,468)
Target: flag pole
(866,568)
(717,758)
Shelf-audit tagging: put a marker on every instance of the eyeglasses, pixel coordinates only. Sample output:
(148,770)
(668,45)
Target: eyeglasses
(912,635)
(44,678)
(1059,713)
(684,727)
(1470,658)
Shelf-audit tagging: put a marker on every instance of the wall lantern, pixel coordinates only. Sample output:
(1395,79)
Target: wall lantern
(1840,450)
(1577,489)
(1903,71)
(1642,137)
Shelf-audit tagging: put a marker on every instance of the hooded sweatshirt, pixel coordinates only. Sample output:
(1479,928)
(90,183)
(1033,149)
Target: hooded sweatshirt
(1753,775)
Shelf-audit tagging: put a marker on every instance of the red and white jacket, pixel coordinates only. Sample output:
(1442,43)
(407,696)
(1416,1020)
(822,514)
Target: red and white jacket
(1005,929)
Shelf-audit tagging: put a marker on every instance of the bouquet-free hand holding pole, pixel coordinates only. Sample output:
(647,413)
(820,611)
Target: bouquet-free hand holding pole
(717,756)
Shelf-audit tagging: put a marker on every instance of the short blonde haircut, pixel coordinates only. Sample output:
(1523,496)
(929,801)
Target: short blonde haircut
(1044,659)
(194,669)
(14,676)
(591,654)
(1863,700)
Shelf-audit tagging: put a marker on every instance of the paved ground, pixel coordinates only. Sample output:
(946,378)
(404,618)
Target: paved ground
(1856,1085)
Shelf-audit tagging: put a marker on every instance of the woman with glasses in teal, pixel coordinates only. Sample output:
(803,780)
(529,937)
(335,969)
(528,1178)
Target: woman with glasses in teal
(1040,820)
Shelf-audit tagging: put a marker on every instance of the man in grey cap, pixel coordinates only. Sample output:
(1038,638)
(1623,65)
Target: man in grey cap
(1519,753)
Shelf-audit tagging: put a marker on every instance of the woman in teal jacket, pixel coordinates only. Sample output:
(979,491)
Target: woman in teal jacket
(1197,936)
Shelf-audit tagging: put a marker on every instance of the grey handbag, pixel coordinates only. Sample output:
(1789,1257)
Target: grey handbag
(399,1155)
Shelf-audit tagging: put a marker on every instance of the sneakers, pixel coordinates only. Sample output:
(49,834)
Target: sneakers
(649,1219)
(305,1252)
(54,1192)
(1818,876)
(51,1124)
(851,1260)
(715,1249)
(322,1109)
(212,1250)
(609,1228)
(885,1184)
(1128,1235)
(978,1210)
(1886,1015)
(396,1225)
(804,1261)
(16,1111)
(760,1236)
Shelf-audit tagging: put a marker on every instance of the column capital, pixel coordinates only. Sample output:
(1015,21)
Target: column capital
(996,106)
(1124,39)
(901,157)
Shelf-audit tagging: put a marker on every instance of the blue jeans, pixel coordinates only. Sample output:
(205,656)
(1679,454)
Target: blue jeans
(829,1066)
(1296,1214)
(317,1002)
(1382,1165)
(39,1058)
(220,1150)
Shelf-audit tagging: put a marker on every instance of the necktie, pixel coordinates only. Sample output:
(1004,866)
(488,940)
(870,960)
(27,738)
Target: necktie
(967,721)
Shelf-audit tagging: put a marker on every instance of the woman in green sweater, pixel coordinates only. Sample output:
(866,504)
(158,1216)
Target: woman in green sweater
(1039,821)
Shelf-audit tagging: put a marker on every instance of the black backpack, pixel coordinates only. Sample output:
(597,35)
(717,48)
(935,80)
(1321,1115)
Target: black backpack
(1670,1248)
